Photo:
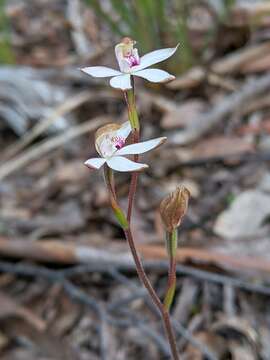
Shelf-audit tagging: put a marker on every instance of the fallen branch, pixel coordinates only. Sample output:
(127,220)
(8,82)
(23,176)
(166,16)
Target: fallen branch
(229,64)
(39,150)
(51,251)
(104,314)
(225,107)
(68,105)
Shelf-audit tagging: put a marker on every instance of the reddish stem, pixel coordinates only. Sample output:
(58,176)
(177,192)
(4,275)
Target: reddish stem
(134,121)
(144,279)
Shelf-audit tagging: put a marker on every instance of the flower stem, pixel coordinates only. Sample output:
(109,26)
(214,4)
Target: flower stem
(135,124)
(162,308)
(171,242)
(131,105)
(134,179)
(119,214)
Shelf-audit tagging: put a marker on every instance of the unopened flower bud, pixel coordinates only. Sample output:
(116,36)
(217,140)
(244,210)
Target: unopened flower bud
(173,207)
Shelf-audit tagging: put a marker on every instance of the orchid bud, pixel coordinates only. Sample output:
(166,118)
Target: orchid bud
(173,207)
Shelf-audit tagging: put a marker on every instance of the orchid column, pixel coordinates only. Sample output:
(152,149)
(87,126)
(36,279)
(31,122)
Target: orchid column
(110,144)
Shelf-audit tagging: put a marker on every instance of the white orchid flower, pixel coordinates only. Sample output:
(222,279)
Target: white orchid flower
(110,140)
(131,64)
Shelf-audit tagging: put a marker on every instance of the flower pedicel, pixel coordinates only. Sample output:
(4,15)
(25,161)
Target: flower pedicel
(131,64)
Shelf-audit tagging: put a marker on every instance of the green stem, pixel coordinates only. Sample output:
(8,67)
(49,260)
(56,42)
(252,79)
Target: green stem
(131,104)
(171,242)
(118,212)
(135,124)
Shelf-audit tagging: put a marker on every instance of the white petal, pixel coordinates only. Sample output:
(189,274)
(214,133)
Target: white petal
(141,147)
(121,82)
(124,130)
(95,163)
(154,57)
(120,163)
(100,71)
(155,75)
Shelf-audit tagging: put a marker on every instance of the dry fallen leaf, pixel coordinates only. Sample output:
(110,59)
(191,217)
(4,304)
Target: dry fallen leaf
(8,307)
(245,216)
(220,147)
(183,114)
(215,343)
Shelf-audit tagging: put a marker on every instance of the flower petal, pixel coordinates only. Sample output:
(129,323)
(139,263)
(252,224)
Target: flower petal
(95,163)
(154,57)
(124,130)
(100,71)
(141,147)
(120,163)
(155,75)
(121,82)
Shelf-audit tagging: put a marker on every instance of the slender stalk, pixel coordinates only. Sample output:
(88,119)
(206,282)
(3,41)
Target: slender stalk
(135,124)
(163,308)
(145,281)
(134,180)
(109,180)
(131,105)
(118,212)
(171,242)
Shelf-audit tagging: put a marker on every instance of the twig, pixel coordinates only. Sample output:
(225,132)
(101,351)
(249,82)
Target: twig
(227,106)
(162,266)
(127,318)
(92,260)
(46,146)
(62,277)
(74,292)
(68,105)
(196,343)
(227,65)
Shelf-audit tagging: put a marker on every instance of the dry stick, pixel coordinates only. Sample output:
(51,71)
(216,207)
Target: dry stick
(89,259)
(46,146)
(68,105)
(63,252)
(232,63)
(203,123)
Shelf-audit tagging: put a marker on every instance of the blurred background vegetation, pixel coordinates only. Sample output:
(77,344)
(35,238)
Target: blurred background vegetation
(160,23)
